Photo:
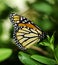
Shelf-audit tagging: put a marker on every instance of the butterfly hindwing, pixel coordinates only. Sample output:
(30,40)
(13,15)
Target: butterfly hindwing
(27,37)
(26,33)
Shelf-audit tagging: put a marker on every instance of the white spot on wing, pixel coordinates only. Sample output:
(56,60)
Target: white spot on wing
(17,21)
(21,19)
(28,22)
(23,22)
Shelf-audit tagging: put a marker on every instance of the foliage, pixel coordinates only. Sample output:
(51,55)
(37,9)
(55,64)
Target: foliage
(5,53)
(49,42)
(43,13)
(25,57)
(44,60)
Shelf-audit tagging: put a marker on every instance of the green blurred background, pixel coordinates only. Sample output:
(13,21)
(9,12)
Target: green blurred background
(43,13)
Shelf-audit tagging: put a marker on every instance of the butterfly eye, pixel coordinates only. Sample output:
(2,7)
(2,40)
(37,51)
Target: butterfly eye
(16,19)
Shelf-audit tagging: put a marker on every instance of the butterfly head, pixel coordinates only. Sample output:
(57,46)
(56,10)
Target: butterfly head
(15,18)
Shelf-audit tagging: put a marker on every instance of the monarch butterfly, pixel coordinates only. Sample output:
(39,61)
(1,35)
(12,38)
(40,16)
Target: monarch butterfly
(26,33)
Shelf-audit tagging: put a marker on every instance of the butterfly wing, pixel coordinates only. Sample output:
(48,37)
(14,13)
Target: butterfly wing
(27,37)
(26,33)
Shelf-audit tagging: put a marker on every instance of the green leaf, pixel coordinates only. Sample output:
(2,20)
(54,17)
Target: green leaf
(52,39)
(48,37)
(56,54)
(2,8)
(4,53)
(49,41)
(52,42)
(44,43)
(44,60)
(51,1)
(26,59)
(43,7)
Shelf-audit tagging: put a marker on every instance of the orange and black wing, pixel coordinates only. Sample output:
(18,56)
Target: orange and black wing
(26,33)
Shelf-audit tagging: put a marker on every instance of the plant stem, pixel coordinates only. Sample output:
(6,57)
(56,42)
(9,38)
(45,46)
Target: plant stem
(39,50)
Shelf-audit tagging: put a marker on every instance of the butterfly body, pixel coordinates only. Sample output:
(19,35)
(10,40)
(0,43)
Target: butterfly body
(26,33)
